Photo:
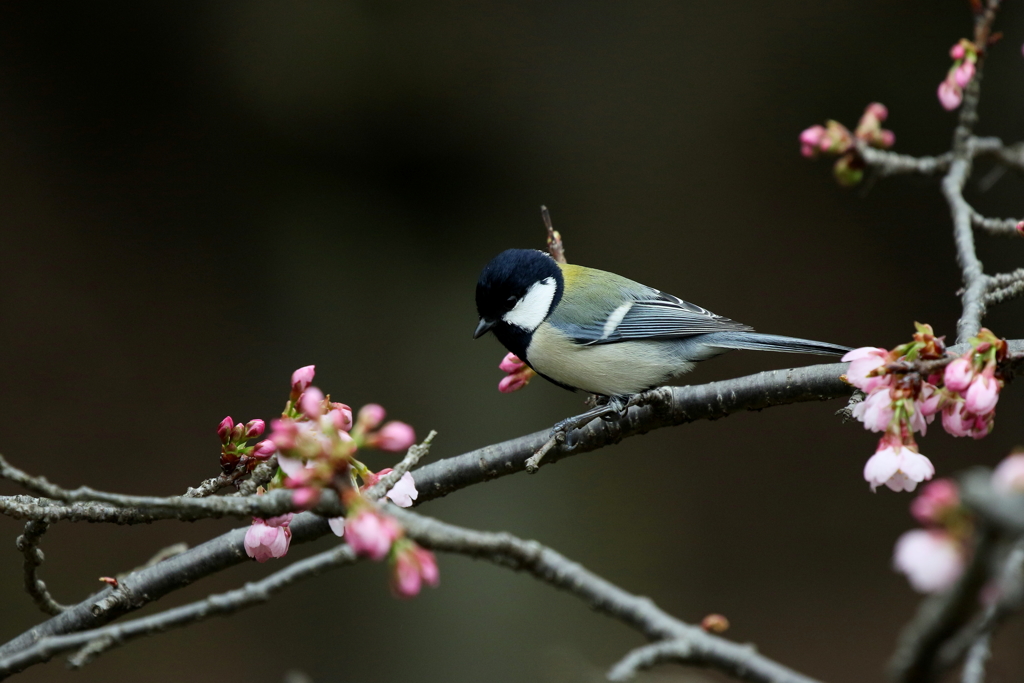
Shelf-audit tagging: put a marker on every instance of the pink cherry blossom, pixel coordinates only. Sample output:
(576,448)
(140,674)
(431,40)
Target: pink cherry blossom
(863,361)
(957,51)
(284,432)
(268,538)
(394,436)
(964,73)
(930,401)
(983,394)
(875,411)
(304,497)
(935,500)
(1008,476)
(302,378)
(878,110)
(958,375)
(898,467)
(371,533)
(311,403)
(370,417)
(950,94)
(224,429)
(932,560)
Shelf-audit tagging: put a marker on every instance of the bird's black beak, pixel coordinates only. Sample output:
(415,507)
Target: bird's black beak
(483,328)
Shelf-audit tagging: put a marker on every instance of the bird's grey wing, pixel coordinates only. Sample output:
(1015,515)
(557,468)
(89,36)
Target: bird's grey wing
(654,315)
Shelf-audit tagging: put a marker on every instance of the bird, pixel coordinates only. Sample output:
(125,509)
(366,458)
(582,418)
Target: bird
(590,330)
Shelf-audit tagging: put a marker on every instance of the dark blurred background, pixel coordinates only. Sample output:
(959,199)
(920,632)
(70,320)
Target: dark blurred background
(197,198)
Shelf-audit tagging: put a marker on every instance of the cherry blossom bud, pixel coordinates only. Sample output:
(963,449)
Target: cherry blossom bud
(877,110)
(810,139)
(268,538)
(935,501)
(394,436)
(898,467)
(428,566)
(887,138)
(511,383)
(875,411)
(405,576)
(930,401)
(932,560)
(958,375)
(954,421)
(370,417)
(301,379)
(715,623)
(1008,476)
(224,429)
(983,394)
(519,375)
(1020,228)
(983,425)
(254,428)
(311,403)
(957,51)
(950,94)
(264,449)
(964,73)
(341,416)
(862,362)
(371,533)
(404,492)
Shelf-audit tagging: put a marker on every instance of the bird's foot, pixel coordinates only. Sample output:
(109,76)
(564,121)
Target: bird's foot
(608,408)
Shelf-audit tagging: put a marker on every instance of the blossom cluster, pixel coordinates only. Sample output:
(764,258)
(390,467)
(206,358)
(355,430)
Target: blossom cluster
(518,374)
(965,59)
(316,440)
(836,139)
(908,386)
(234,451)
(934,557)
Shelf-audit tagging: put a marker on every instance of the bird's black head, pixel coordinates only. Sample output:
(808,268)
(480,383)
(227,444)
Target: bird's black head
(514,294)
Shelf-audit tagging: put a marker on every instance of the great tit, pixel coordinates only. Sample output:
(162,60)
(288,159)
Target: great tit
(590,330)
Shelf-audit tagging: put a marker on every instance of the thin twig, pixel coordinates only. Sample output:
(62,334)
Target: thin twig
(974,667)
(28,544)
(412,457)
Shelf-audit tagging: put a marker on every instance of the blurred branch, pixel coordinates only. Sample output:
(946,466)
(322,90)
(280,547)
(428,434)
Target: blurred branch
(28,544)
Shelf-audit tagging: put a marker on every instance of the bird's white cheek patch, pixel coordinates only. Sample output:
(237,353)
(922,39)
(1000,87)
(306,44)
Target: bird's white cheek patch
(530,311)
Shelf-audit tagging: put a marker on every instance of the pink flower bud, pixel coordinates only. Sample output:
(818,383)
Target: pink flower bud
(950,95)
(370,417)
(810,140)
(371,533)
(887,138)
(954,421)
(268,538)
(957,51)
(958,375)
(224,429)
(878,110)
(510,363)
(1008,476)
(983,425)
(238,433)
(264,449)
(311,403)
(932,560)
(394,436)
(863,361)
(428,566)
(405,576)
(935,500)
(511,383)
(341,416)
(898,467)
(1020,228)
(254,428)
(983,394)
(302,378)
(964,73)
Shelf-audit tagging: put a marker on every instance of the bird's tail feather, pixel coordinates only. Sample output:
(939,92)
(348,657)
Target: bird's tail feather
(754,341)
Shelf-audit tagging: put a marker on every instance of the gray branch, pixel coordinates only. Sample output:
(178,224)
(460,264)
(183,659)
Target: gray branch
(28,544)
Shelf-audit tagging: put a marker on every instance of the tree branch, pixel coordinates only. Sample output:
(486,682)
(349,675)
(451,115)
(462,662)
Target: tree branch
(28,544)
